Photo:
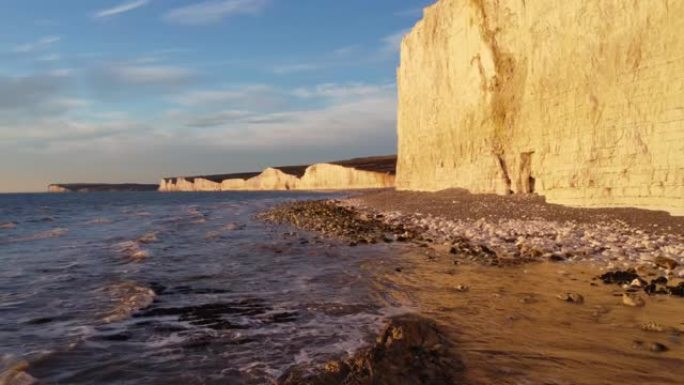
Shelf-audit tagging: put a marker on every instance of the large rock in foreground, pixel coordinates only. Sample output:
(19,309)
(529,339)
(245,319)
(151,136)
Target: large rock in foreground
(410,351)
(581,101)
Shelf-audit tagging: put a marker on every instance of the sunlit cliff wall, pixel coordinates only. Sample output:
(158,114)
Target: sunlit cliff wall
(581,101)
(324,176)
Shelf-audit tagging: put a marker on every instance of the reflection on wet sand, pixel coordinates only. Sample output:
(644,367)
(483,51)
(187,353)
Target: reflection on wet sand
(515,326)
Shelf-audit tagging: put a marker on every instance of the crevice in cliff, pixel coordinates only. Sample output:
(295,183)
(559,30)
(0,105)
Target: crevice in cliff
(504,173)
(526,181)
(508,83)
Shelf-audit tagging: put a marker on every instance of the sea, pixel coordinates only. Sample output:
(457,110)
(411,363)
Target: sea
(185,288)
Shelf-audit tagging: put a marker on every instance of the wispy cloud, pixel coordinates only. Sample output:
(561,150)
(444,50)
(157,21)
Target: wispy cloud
(210,12)
(294,68)
(119,9)
(343,91)
(29,93)
(148,74)
(249,94)
(391,44)
(38,45)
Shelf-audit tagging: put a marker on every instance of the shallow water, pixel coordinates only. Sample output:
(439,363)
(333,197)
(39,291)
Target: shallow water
(509,327)
(148,288)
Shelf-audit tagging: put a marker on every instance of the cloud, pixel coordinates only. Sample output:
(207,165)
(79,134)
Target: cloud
(342,91)
(38,45)
(119,9)
(149,74)
(368,121)
(210,12)
(29,93)
(217,119)
(50,58)
(50,132)
(117,81)
(354,114)
(247,97)
(294,68)
(391,44)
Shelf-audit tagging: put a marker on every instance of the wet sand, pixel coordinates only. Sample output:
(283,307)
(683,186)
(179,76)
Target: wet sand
(510,327)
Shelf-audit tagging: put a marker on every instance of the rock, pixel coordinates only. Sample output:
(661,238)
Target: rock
(410,351)
(657,347)
(619,277)
(150,237)
(638,282)
(462,288)
(17,375)
(528,299)
(571,298)
(666,263)
(632,300)
(676,290)
(652,327)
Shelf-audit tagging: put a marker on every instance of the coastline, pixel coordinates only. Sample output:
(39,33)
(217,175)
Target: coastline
(522,289)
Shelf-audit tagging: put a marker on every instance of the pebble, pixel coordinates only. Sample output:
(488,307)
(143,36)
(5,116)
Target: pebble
(657,347)
(666,263)
(632,300)
(652,327)
(462,288)
(571,298)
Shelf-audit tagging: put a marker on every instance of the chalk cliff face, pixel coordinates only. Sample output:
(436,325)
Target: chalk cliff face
(581,101)
(362,173)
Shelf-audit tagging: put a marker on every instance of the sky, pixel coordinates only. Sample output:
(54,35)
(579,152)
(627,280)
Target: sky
(107,91)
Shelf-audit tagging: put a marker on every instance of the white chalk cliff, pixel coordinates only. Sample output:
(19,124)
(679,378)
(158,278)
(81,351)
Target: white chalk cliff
(581,101)
(362,173)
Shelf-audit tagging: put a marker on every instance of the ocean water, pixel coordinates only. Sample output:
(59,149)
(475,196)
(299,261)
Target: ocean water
(150,288)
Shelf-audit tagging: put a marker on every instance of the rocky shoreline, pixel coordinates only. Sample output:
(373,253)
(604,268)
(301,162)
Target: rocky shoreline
(634,260)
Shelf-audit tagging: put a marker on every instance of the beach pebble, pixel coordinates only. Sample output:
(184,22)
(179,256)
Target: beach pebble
(461,288)
(571,298)
(666,263)
(652,327)
(632,300)
(657,347)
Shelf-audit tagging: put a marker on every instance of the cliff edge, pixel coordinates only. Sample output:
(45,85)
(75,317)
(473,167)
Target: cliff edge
(580,101)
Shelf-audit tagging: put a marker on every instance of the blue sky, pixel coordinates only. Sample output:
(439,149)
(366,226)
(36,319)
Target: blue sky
(133,90)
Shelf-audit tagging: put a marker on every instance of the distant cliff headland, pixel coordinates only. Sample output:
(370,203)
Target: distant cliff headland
(100,187)
(358,173)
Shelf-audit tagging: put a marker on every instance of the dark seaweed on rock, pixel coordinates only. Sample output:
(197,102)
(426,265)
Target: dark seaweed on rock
(619,277)
(656,286)
(410,351)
